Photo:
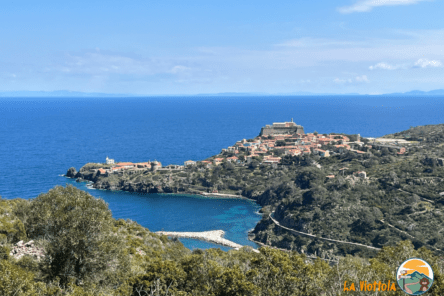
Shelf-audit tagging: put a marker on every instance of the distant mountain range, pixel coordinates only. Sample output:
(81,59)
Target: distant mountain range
(58,93)
(418,275)
(72,94)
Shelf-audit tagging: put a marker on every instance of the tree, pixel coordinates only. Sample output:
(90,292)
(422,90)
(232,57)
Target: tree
(77,227)
(253,164)
(281,143)
(309,177)
(15,280)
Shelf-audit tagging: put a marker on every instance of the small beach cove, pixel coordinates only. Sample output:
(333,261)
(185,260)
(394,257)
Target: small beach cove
(234,215)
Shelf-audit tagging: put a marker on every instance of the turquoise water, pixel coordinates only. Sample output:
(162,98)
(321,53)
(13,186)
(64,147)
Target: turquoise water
(173,212)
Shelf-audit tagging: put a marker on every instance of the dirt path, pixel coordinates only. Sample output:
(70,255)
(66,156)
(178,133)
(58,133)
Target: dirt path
(407,289)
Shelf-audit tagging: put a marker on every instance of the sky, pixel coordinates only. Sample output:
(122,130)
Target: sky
(192,47)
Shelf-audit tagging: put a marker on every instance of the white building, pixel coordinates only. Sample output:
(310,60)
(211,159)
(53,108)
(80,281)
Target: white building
(109,160)
(189,162)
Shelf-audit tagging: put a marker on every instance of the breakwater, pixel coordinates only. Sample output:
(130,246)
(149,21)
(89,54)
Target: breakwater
(213,236)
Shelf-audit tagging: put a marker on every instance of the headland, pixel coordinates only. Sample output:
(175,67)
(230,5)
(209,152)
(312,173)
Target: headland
(345,193)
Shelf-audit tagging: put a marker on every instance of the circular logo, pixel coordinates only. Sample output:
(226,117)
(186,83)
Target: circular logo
(415,276)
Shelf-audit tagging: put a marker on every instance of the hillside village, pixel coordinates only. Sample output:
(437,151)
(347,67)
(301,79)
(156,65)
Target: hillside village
(274,142)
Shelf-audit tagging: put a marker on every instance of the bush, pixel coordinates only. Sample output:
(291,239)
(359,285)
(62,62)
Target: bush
(15,280)
(77,227)
(4,252)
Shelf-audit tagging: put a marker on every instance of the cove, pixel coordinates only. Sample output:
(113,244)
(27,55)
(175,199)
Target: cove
(168,212)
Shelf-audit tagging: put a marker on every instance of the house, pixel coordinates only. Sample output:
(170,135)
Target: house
(322,153)
(401,150)
(173,167)
(330,176)
(142,165)
(126,165)
(357,151)
(233,159)
(109,160)
(102,172)
(231,149)
(189,162)
(207,164)
(342,148)
(273,161)
(293,152)
(361,174)
(217,161)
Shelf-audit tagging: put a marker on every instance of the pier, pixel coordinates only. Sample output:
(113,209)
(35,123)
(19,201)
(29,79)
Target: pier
(213,236)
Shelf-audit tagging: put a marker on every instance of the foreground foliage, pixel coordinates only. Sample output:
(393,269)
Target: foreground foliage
(90,253)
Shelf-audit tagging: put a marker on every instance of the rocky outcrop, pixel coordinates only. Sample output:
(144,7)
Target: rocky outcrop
(21,249)
(71,173)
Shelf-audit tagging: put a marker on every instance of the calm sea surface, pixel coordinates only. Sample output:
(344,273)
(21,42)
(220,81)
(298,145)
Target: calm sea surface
(42,138)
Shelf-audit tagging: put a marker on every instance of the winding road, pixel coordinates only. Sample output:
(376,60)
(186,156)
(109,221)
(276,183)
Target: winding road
(321,238)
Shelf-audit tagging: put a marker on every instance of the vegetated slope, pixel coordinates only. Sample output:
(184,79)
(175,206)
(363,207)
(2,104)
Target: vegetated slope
(400,200)
(87,252)
(426,133)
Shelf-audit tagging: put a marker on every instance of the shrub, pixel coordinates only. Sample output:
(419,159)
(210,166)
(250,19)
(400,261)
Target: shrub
(77,227)
(15,280)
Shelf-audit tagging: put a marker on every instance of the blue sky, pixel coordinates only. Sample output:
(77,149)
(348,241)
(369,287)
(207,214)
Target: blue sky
(190,47)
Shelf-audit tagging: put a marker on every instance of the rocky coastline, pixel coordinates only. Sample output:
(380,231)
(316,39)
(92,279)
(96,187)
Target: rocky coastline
(146,187)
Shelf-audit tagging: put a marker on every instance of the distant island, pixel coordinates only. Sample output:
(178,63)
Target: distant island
(78,94)
(329,194)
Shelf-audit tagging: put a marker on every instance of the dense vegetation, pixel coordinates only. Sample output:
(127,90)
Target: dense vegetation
(87,252)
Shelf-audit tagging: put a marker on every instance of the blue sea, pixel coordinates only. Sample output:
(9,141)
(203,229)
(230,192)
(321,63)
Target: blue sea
(42,137)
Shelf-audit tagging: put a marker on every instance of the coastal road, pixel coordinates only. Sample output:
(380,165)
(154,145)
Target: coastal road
(321,238)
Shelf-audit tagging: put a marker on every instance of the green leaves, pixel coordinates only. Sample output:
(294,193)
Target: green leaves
(77,227)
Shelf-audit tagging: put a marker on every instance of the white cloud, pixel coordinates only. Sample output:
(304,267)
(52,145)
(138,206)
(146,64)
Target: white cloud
(384,66)
(179,69)
(424,63)
(368,5)
(362,78)
(340,81)
(97,63)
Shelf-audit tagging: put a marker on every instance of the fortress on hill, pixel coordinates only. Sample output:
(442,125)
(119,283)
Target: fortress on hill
(282,128)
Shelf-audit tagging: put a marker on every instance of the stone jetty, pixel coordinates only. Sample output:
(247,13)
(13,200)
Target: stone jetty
(213,236)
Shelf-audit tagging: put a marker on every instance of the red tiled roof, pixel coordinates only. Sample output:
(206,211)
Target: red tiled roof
(124,163)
